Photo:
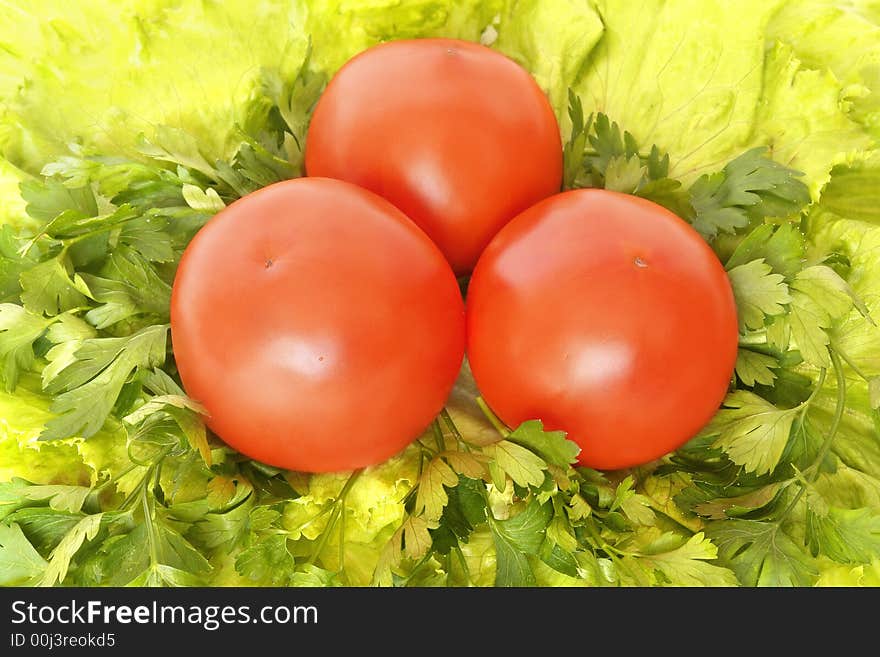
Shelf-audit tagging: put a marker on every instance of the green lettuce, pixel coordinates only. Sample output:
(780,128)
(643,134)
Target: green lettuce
(683,75)
(198,67)
(832,37)
(340,29)
(22,416)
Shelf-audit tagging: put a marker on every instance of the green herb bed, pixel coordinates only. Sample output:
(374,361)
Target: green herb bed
(124,128)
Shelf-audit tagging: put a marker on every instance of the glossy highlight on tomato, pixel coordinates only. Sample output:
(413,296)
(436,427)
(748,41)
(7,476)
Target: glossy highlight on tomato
(456,135)
(320,327)
(605,316)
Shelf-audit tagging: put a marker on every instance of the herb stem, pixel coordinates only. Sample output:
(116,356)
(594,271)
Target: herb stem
(805,405)
(338,508)
(447,418)
(753,339)
(835,420)
(416,568)
(855,368)
(500,427)
(341,569)
(152,540)
(438,435)
(812,471)
(117,477)
(463,563)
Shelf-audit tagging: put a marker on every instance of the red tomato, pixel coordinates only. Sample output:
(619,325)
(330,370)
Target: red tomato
(456,135)
(607,317)
(319,326)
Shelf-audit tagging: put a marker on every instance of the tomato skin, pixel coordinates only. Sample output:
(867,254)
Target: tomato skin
(456,135)
(319,326)
(605,316)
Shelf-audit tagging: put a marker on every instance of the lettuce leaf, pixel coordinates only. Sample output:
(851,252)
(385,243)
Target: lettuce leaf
(551,38)
(22,416)
(683,75)
(192,65)
(340,29)
(806,118)
(829,36)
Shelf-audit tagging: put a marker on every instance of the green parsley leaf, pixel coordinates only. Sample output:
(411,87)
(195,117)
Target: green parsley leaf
(177,147)
(176,563)
(559,532)
(609,143)
(781,247)
(11,499)
(712,216)
(59,560)
(573,151)
(624,173)
(267,562)
(20,563)
(819,298)
(559,559)
(520,464)
(416,537)
(552,446)
(12,264)
(761,554)
(72,223)
(295,98)
(758,293)
(431,497)
(44,527)
(207,200)
(19,329)
(61,498)
(844,535)
(68,327)
(468,464)
(147,236)
(254,166)
(808,324)
(313,576)
(623,491)
(129,286)
(753,367)
(637,508)
(686,565)
(118,560)
(738,505)
(227,528)
(615,162)
(750,186)
(751,431)
(48,288)
(160,574)
(94,380)
(184,411)
(578,508)
(666,192)
(828,290)
(516,538)
(48,198)
(221,490)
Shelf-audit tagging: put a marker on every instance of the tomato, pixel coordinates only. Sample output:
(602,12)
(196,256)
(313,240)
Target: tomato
(321,329)
(456,135)
(605,316)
